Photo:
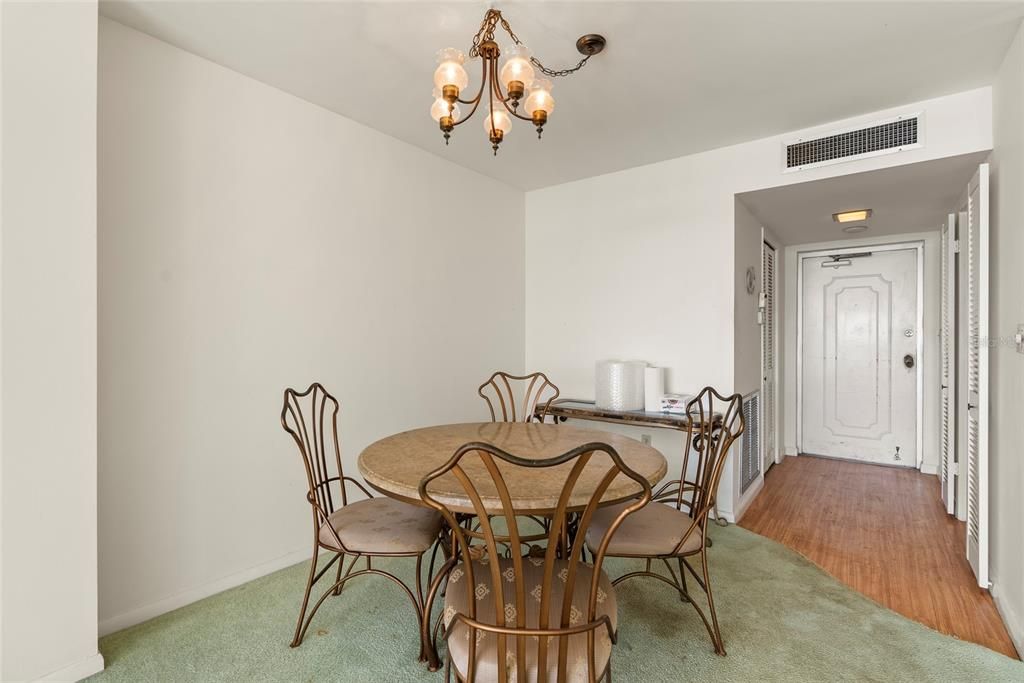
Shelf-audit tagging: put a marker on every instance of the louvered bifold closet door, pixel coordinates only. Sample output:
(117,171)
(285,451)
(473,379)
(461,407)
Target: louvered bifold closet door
(947,437)
(768,393)
(977,375)
(750,451)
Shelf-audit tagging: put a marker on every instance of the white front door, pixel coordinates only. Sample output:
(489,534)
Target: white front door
(859,355)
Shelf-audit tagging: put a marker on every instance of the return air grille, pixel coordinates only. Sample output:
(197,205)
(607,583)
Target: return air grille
(890,136)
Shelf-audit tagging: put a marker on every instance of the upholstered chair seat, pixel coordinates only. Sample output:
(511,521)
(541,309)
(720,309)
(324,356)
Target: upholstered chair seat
(651,531)
(381,526)
(533,578)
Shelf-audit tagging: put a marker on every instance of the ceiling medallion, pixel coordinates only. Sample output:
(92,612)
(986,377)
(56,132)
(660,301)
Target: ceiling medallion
(517,76)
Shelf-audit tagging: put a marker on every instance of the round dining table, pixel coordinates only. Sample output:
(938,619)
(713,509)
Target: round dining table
(397,464)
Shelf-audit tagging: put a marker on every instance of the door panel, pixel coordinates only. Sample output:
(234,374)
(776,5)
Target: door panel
(947,436)
(859,322)
(977,375)
(768,351)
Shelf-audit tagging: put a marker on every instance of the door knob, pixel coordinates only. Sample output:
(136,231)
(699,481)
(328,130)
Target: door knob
(908,360)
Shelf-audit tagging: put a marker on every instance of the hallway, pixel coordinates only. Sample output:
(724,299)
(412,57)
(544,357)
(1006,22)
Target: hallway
(882,531)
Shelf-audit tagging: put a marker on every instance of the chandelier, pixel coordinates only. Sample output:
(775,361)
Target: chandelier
(501,90)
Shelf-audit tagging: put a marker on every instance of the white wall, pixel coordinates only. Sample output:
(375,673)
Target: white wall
(48,341)
(929,363)
(746,331)
(250,241)
(1007,366)
(750,236)
(641,263)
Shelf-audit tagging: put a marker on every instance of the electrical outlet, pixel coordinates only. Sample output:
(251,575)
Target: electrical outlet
(645,439)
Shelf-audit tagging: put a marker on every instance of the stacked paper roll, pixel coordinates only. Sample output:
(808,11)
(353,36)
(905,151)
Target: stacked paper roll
(654,388)
(619,385)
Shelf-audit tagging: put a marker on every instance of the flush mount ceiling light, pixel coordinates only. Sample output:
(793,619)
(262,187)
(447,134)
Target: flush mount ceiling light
(851,216)
(517,76)
(855,228)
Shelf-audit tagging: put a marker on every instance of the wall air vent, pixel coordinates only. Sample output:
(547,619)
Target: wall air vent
(884,137)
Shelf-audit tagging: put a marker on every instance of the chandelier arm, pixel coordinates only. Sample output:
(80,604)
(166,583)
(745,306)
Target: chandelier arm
(479,95)
(476,100)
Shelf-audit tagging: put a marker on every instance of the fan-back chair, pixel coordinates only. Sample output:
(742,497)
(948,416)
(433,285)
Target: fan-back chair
(517,618)
(518,398)
(365,528)
(676,526)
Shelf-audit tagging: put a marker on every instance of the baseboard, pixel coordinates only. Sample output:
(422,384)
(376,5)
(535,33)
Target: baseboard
(746,499)
(1014,626)
(77,671)
(155,609)
(790,450)
(928,468)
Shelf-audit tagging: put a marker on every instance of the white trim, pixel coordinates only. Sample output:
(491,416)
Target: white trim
(928,468)
(155,609)
(921,128)
(791,450)
(83,668)
(1013,622)
(916,245)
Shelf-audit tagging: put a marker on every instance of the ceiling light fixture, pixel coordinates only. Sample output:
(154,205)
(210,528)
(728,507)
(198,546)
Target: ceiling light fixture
(855,228)
(517,76)
(851,216)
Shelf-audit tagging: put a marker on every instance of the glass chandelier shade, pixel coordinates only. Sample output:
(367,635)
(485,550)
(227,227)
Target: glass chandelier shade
(440,108)
(540,98)
(450,70)
(517,70)
(501,120)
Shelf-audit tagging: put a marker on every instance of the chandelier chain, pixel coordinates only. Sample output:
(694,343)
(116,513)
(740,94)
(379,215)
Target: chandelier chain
(486,33)
(562,72)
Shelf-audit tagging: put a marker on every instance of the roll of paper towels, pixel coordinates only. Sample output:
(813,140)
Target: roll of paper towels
(654,388)
(619,385)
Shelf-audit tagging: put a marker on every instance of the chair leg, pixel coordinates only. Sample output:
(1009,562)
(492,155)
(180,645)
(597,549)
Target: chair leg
(685,593)
(716,635)
(297,639)
(341,565)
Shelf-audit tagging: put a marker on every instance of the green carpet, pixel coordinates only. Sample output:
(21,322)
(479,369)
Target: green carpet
(782,619)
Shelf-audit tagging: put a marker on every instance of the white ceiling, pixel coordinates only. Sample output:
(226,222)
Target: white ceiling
(676,78)
(909,198)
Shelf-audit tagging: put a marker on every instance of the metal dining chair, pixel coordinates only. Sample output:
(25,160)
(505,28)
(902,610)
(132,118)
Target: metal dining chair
(675,529)
(518,398)
(527,618)
(361,529)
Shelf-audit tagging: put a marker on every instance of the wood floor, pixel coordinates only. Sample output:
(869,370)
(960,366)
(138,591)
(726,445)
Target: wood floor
(882,531)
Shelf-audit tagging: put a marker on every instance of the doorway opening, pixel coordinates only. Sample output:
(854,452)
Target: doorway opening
(881,360)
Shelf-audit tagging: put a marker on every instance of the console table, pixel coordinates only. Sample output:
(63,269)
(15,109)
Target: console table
(568,408)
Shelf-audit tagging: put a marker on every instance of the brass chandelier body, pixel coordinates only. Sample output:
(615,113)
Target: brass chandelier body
(501,104)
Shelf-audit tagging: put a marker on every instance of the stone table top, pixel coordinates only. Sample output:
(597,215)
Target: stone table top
(395,465)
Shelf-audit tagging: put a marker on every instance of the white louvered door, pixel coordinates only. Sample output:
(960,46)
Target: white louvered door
(768,365)
(977,375)
(947,437)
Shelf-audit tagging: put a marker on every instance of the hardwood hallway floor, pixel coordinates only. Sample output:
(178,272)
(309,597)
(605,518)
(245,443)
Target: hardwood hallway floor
(882,531)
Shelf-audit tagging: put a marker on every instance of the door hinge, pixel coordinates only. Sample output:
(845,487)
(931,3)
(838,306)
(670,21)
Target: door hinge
(956,246)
